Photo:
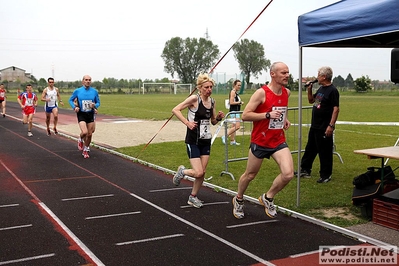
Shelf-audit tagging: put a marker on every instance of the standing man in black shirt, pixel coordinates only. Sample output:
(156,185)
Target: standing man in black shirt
(324,116)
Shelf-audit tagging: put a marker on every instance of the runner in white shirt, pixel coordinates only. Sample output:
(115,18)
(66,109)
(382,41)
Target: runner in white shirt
(50,95)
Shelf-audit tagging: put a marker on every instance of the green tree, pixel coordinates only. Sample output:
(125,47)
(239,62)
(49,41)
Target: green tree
(42,83)
(188,58)
(122,83)
(251,59)
(339,81)
(363,84)
(33,78)
(106,83)
(292,85)
(349,81)
(97,85)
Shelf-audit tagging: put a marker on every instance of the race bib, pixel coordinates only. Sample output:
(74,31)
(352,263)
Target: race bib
(86,105)
(29,102)
(52,99)
(205,129)
(278,123)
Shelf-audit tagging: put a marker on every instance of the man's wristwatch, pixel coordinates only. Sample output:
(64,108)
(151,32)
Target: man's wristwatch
(267,115)
(331,125)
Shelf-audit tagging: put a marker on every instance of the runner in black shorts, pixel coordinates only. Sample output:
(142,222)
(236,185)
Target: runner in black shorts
(267,109)
(85,102)
(201,115)
(85,117)
(263,152)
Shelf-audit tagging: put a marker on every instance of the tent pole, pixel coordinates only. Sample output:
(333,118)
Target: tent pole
(298,187)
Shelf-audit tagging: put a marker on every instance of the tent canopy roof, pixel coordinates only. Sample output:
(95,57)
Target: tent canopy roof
(351,23)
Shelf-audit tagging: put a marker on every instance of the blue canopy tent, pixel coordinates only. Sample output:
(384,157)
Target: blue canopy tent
(347,24)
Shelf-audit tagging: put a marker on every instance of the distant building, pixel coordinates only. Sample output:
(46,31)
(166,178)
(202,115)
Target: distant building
(15,74)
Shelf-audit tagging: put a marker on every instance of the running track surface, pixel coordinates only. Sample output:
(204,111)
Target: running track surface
(57,208)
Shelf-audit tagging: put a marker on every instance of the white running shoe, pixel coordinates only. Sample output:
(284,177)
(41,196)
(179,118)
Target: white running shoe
(270,209)
(194,201)
(238,208)
(179,175)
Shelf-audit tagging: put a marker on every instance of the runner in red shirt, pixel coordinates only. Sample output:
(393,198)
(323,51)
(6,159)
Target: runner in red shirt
(268,109)
(3,100)
(28,102)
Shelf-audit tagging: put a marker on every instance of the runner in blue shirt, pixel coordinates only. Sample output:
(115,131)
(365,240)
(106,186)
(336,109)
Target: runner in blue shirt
(85,102)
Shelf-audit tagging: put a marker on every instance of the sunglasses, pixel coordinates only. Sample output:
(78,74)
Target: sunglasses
(208,87)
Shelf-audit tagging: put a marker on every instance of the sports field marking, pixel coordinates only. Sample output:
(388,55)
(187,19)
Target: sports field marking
(9,205)
(88,197)
(198,228)
(84,250)
(27,259)
(170,189)
(149,239)
(206,204)
(15,227)
(112,215)
(120,120)
(253,223)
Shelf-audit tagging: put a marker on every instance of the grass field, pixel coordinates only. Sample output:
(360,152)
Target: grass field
(315,198)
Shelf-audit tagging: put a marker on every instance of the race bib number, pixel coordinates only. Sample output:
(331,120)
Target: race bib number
(86,105)
(278,123)
(52,99)
(2,94)
(205,129)
(29,102)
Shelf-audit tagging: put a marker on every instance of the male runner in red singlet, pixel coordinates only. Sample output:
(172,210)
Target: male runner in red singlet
(3,100)
(28,102)
(268,109)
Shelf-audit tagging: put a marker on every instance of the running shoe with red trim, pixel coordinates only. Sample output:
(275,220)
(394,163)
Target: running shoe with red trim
(85,154)
(80,144)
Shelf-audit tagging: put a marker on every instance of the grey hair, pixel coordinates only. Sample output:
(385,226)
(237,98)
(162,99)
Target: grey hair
(326,71)
(274,66)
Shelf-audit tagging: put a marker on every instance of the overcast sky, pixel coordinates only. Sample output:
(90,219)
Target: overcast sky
(125,39)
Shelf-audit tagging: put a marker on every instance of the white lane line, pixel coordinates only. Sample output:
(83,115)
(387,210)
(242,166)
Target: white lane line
(148,239)
(170,189)
(9,205)
(111,215)
(249,224)
(15,227)
(206,204)
(89,197)
(55,220)
(198,228)
(122,122)
(85,249)
(27,259)
(304,254)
